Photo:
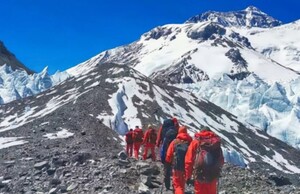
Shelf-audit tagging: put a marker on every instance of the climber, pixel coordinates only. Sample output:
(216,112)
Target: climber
(167,124)
(167,133)
(149,142)
(175,157)
(204,160)
(138,135)
(129,142)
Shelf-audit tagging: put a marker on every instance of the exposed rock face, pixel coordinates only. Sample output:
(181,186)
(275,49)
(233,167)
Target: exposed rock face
(240,64)
(158,32)
(208,32)
(182,72)
(6,57)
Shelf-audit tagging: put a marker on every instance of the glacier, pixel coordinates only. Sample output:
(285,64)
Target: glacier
(17,84)
(272,107)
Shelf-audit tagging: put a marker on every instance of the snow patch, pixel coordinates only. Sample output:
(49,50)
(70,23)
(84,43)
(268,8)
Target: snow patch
(64,133)
(6,142)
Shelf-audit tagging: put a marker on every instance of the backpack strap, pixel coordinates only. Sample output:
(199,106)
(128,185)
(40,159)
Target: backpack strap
(198,150)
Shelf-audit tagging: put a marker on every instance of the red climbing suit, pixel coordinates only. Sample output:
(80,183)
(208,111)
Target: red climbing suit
(129,142)
(178,176)
(199,187)
(149,143)
(138,136)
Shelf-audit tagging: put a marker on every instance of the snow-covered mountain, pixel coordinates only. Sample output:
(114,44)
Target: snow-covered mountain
(78,113)
(250,17)
(244,61)
(17,81)
(212,48)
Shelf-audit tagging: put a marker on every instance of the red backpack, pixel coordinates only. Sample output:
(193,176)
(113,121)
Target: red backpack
(152,136)
(209,158)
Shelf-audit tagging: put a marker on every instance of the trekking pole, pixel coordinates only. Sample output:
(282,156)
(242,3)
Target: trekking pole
(162,188)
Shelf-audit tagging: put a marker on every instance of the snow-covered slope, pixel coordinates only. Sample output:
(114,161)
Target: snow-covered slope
(121,97)
(204,45)
(281,44)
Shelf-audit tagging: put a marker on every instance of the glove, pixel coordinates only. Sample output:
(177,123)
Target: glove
(190,182)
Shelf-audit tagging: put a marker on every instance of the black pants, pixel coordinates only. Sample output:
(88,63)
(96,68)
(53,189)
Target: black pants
(167,178)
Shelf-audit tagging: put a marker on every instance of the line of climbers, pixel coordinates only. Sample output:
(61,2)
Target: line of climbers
(195,161)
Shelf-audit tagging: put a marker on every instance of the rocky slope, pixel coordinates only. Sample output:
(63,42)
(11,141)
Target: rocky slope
(62,139)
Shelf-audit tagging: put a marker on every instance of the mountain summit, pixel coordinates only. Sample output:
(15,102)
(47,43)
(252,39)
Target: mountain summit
(249,17)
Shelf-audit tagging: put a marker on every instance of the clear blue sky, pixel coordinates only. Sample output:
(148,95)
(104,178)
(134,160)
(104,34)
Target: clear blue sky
(63,33)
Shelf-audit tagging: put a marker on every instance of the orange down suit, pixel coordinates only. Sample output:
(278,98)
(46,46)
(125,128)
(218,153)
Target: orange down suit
(199,187)
(177,175)
(137,144)
(149,145)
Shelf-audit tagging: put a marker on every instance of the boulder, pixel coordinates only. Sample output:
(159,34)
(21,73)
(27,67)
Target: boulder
(41,165)
(81,157)
(122,155)
(72,187)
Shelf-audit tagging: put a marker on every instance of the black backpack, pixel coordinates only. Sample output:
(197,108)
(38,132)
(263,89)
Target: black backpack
(168,124)
(169,137)
(180,149)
